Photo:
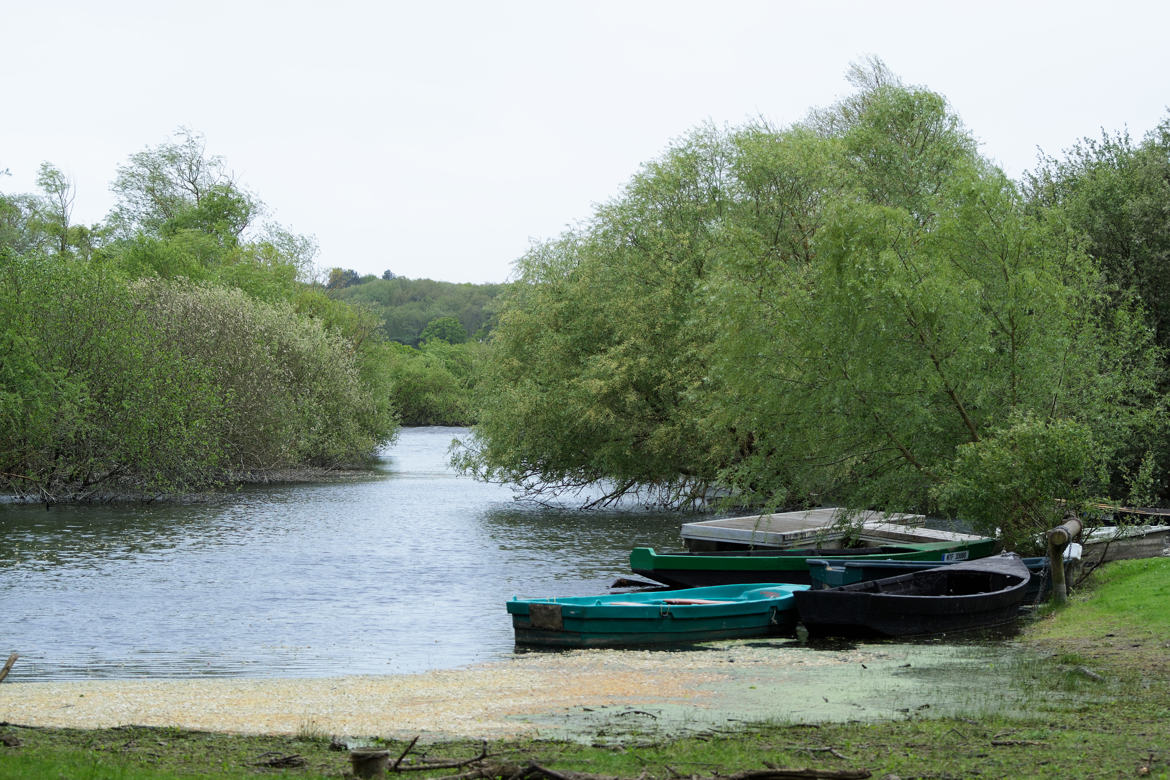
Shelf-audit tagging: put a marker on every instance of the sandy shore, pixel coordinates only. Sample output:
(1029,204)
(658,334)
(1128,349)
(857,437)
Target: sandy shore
(571,694)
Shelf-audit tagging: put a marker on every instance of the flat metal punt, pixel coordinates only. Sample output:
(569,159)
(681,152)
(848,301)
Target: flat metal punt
(788,529)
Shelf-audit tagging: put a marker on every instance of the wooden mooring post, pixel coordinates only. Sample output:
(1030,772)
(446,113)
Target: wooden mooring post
(368,762)
(1058,539)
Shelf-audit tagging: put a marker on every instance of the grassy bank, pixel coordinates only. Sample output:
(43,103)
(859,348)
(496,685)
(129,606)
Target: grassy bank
(1099,706)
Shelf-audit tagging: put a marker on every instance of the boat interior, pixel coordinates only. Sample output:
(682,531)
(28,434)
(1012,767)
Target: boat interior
(937,583)
(808,552)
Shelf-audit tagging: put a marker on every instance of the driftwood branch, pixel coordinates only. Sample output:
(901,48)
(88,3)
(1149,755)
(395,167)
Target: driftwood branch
(277,760)
(801,774)
(404,752)
(483,754)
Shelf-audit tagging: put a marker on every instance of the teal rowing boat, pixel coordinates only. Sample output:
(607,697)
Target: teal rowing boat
(699,569)
(657,617)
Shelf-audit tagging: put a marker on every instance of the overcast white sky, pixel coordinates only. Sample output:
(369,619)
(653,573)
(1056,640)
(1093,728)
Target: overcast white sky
(438,138)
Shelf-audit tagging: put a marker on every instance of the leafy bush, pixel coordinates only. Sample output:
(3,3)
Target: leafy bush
(155,386)
(433,385)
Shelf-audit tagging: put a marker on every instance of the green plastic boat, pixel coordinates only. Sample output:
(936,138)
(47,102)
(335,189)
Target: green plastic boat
(656,617)
(700,569)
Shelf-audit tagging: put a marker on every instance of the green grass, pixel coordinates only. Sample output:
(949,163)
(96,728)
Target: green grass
(1097,696)
(1135,592)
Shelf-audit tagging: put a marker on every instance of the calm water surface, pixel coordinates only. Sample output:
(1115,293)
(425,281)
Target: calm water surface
(405,571)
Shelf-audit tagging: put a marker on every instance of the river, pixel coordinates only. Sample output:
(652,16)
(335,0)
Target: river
(403,571)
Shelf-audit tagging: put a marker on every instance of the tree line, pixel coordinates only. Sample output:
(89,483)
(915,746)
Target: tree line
(460,312)
(857,308)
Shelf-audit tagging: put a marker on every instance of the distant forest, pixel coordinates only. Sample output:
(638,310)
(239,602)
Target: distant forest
(406,306)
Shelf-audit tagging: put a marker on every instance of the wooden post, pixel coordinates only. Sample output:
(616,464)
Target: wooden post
(1058,539)
(368,762)
(8,666)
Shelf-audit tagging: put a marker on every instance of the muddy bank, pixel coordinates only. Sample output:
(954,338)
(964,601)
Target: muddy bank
(226,485)
(584,695)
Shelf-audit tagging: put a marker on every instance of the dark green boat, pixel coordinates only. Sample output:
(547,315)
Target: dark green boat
(656,617)
(699,569)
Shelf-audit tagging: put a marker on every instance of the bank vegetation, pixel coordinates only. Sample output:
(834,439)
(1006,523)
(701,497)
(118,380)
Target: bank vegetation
(855,309)
(176,346)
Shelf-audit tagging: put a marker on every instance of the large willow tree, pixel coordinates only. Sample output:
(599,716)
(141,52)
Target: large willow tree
(912,338)
(849,309)
(598,364)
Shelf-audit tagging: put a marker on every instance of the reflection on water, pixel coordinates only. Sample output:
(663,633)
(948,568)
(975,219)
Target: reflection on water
(404,571)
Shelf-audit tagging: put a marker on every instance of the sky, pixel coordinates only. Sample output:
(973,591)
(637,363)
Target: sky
(440,138)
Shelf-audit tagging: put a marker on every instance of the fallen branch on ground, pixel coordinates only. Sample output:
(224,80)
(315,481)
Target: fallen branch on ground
(280,761)
(442,765)
(534,771)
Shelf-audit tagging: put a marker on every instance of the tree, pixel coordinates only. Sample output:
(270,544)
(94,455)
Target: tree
(913,311)
(1109,198)
(1112,195)
(406,306)
(341,277)
(599,376)
(447,329)
(434,385)
(1015,471)
(41,223)
(177,186)
(828,312)
(180,214)
(176,359)
(58,204)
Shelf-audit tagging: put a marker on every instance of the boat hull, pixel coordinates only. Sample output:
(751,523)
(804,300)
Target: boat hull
(689,570)
(826,573)
(974,595)
(656,618)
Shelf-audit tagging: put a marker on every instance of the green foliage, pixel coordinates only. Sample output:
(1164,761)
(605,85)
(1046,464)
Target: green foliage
(176,348)
(165,386)
(94,397)
(446,329)
(828,312)
(292,389)
(1005,484)
(1108,197)
(341,277)
(598,370)
(407,306)
(176,186)
(1110,194)
(180,215)
(433,385)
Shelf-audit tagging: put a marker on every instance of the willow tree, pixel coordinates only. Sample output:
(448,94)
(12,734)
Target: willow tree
(835,311)
(921,313)
(598,368)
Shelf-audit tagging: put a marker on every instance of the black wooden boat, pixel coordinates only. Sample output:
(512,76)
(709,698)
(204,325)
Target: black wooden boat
(834,572)
(982,593)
